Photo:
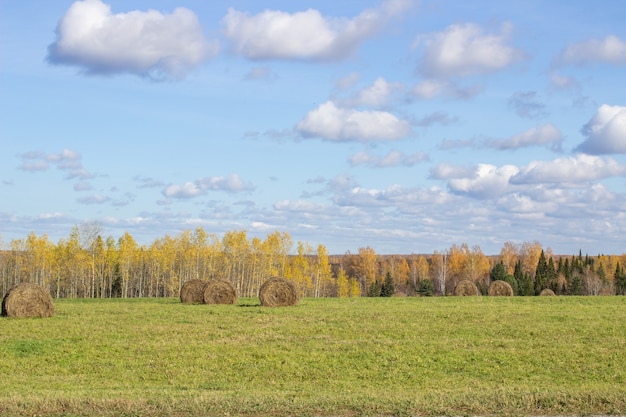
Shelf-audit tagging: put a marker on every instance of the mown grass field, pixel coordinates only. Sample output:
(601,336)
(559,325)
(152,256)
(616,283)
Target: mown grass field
(340,357)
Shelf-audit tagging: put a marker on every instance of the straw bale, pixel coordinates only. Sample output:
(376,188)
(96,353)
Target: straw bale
(466,288)
(500,288)
(547,292)
(192,291)
(219,291)
(27,300)
(278,292)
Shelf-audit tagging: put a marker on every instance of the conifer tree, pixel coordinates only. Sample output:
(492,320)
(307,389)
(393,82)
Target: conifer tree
(498,273)
(541,274)
(620,280)
(388,287)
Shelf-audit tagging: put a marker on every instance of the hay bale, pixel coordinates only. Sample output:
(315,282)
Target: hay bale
(192,291)
(500,288)
(27,300)
(466,288)
(547,292)
(278,292)
(219,291)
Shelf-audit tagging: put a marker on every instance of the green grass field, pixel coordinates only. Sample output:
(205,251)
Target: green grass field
(340,357)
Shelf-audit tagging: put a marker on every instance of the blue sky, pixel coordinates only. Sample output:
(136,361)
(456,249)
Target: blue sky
(401,125)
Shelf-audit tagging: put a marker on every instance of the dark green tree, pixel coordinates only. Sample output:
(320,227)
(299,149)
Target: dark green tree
(541,274)
(388,287)
(524,283)
(374,289)
(552,280)
(575,284)
(426,288)
(620,280)
(498,272)
(513,282)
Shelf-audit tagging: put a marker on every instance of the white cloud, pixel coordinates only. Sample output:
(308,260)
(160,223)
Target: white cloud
(67,160)
(393,158)
(378,94)
(606,131)
(334,123)
(448,171)
(464,50)
(348,81)
(149,44)
(94,199)
(580,168)
(610,50)
(546,135)
(202,186)
(488,181)
(274,34)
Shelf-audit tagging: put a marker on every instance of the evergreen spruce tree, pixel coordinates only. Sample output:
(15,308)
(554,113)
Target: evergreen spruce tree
(388,287)
(575,286)
(374,289)
(552,279)
(498,273)
(426,288)
(518,274)
(526,285)
(620,280)
(513,283)
(541,274)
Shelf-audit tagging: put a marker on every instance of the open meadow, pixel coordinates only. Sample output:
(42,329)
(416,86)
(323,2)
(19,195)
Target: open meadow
(345,357)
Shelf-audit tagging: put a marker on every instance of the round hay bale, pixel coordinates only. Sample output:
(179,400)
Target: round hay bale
(192,291)
(27,300)
(466,288)
(500,288)
(278,292)
(547,292)
(219,291)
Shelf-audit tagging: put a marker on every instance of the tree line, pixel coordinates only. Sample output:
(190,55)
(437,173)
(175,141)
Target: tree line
(86,265)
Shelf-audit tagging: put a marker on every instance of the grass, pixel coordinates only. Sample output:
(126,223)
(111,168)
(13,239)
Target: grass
(346,357)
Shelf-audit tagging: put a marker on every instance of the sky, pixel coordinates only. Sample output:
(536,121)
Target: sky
(404,126)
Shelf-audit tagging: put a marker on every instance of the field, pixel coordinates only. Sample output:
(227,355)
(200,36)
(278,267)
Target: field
(339,357)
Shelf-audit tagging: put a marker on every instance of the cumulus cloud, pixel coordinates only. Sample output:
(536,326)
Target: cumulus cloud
(448,171)
(546,135)
(202,186)
(605,132)
(339,124)
(526,104)
(487,181)
(580,168)
(94,199)
(378,94)
(307,35)
(464,50)
(610,50)
(67,160)
(149,44)
(393,158)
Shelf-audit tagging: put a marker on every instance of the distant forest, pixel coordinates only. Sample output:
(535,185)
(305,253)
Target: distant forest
(87,265)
